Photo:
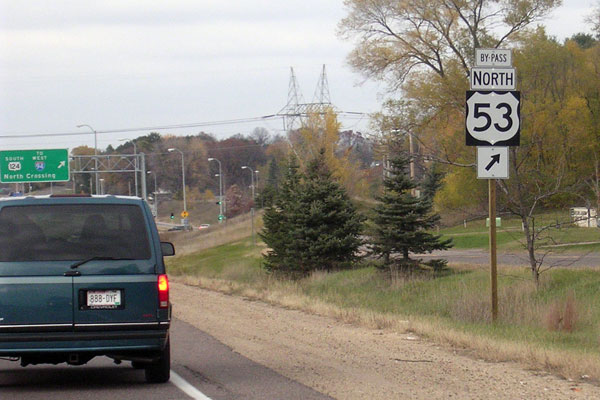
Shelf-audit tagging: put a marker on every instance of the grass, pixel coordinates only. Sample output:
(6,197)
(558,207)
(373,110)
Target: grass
(453,307)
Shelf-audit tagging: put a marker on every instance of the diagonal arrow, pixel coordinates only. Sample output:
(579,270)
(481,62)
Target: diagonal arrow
(495,159)
(61,164)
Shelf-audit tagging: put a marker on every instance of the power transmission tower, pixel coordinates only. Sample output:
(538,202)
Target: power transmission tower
(322,95)
(296,110)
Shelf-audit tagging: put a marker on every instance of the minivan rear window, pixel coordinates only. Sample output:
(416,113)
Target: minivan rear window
(72,232)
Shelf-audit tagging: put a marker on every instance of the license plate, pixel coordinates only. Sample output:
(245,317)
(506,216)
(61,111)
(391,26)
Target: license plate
(103,298)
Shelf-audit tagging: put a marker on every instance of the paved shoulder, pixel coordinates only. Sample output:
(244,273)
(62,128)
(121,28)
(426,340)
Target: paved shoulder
(220,373)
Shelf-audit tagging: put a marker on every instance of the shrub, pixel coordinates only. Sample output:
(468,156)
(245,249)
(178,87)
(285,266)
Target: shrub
(562,315)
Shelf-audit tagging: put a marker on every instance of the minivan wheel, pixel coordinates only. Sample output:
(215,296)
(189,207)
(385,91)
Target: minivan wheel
(160,370)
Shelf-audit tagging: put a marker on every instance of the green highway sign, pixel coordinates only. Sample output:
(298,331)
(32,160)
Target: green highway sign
(51,165)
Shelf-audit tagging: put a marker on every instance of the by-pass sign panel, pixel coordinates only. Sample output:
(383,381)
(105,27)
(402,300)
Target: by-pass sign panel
(50,165)
(498,58)
(493,118)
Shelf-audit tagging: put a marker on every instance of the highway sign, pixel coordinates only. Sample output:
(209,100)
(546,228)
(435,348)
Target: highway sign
(493,58)
(493,118)
(493,78)
(492,162)
(50,165)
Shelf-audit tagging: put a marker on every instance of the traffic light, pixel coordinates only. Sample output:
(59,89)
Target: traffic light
(221,217)
(218,203)
(172,216)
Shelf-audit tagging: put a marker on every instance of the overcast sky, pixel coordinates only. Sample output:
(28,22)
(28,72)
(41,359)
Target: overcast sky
(116,64)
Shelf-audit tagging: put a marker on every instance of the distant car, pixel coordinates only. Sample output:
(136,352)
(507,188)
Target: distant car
(177,228)
(204,226)
(80,277)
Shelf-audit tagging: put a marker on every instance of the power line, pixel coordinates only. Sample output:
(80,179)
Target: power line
(345,114)
(147,128)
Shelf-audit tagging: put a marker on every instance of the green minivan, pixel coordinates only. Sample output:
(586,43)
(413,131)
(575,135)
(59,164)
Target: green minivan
(83,276)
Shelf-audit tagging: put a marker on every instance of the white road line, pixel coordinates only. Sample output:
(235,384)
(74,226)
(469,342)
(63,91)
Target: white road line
(186,387)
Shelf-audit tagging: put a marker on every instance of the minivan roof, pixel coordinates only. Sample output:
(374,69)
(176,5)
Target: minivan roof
(49,199)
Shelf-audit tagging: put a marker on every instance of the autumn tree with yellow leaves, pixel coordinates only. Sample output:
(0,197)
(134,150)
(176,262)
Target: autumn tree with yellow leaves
(321,133)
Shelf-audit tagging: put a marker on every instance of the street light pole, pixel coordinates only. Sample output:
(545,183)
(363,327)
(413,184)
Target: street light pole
(251,209)
(95,154)
(251,179)
(182,175)
(135,164)
(220,187)
(155,195)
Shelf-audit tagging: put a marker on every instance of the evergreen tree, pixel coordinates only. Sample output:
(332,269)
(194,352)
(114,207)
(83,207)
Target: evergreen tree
(277,219)
(267,195)
(401,220)
(329,224)
(432,182)
(312,225)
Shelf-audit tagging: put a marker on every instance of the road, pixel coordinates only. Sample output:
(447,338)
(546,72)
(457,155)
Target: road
(197,358)
(482,257)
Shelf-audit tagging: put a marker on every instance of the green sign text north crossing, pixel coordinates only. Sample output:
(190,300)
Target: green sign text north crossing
(51,165)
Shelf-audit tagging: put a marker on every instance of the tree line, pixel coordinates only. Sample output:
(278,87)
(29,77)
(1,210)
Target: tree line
(350,155)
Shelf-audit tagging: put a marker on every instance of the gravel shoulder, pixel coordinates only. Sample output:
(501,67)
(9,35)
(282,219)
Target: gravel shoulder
(350,362)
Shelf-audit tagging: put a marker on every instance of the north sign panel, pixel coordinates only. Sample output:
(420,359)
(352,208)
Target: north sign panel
(493,118)
(493,78)
(50,165)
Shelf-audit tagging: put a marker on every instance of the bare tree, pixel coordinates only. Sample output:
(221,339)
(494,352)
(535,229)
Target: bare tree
(397,37)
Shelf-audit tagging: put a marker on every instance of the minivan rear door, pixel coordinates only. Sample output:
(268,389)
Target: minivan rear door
(119,289)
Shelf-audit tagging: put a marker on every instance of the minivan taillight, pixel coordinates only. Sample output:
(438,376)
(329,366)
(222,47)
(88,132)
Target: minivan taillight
(163,291)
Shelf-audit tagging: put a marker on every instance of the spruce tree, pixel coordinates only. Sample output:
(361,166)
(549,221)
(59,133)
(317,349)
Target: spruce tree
(313,225)
(277,220)
(329,224)
(401,220)
(267,196)
(432,182)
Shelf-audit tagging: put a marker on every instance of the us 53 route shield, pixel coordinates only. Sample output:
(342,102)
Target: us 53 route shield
(493,118)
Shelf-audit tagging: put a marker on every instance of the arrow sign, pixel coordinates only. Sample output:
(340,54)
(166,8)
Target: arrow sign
(61,164)
(495,160)
(492,162)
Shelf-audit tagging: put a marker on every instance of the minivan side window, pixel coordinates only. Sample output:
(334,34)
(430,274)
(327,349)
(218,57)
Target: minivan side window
(64,232)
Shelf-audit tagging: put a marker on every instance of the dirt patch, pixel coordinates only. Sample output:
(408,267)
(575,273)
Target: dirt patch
(349,362)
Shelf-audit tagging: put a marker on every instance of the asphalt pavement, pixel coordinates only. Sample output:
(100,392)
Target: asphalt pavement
(556,258)
(200,361)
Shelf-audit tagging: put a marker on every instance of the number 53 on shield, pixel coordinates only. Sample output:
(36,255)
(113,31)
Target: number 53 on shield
(493,118)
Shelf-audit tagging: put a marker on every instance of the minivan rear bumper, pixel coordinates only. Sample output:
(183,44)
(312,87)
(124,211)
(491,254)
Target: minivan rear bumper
(98,341)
